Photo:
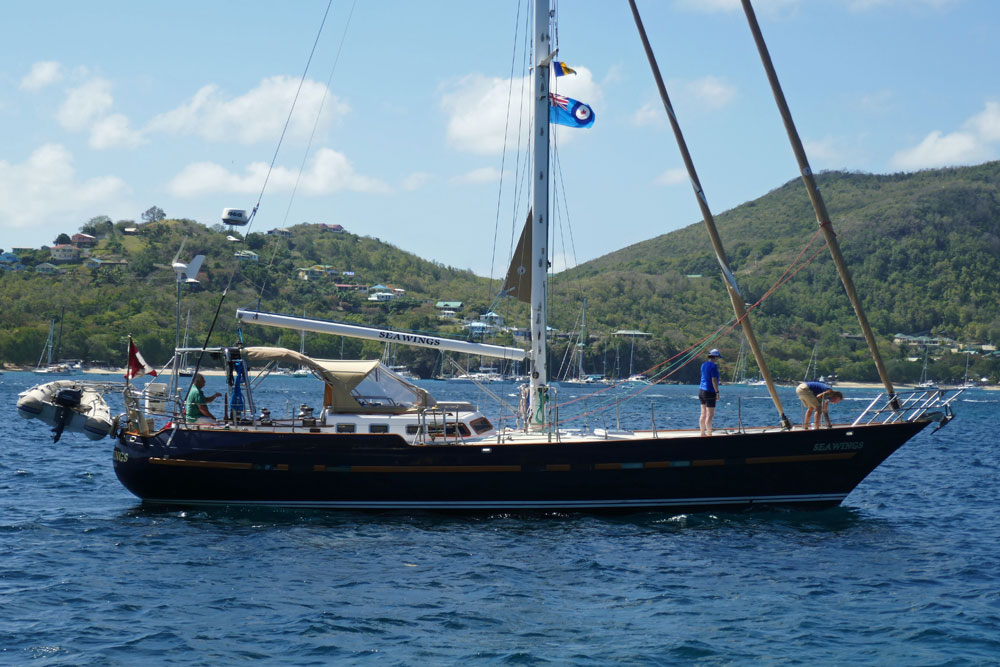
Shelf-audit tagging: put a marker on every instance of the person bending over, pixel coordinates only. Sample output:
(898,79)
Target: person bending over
(817,396)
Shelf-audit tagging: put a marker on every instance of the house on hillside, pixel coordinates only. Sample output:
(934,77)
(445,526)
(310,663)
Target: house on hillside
(10,262)
(922,341)
(336,229)
(479,329)
(65,253)
(447,310)
(492,319)
(246,255)
(381,296)
(83,240)
(130,231)
(317,272)
(105,263)
(280,231)
(49,269)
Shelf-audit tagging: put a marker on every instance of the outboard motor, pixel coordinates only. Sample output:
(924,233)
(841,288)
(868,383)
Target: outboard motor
(66,400)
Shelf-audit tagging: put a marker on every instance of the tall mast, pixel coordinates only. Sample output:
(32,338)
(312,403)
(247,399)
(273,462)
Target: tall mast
(541,48)
(822,216)
(734,293)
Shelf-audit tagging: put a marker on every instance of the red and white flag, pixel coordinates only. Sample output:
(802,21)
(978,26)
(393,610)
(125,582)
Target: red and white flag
(136,364)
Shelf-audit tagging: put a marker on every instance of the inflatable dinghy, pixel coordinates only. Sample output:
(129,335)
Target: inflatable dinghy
(67,405)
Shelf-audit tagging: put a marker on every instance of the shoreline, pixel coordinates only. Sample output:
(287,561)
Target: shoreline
(215,372)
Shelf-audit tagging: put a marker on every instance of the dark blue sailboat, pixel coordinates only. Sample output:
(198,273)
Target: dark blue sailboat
(382,442)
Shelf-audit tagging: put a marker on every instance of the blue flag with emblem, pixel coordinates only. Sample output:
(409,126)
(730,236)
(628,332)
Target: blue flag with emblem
(569,112)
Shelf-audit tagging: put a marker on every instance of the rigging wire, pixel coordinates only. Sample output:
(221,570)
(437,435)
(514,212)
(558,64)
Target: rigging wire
(685,357)
(253,214)
(291,110)
(503,153)
(319,111)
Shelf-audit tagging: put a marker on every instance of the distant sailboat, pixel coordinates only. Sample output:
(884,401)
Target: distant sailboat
(811,370)
(925,383)
(966,383)
(301,371)
(740,373)
(574,373)
(47,352)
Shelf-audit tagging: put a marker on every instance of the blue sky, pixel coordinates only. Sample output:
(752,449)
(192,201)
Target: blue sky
(109,108)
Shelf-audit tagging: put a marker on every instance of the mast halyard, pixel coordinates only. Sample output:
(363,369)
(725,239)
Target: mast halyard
(539,377)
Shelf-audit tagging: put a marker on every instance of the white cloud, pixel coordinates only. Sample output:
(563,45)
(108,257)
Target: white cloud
(869,5)
(562,261)
(478,176)
(974,143)
(328,172)
(675,176)
(256,116)
(85,104)
(987,123)
(940,150)
(649,114)
(714,6)
(415,181)
(825,149)
(710,91)
(41,75)
(878,102)
(114,131)
(43,192)
(477,108)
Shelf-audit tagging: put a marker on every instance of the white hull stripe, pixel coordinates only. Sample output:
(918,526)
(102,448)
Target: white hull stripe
(522,504)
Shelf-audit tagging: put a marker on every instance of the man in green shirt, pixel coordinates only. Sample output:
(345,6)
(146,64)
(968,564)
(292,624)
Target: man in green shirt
(197,403)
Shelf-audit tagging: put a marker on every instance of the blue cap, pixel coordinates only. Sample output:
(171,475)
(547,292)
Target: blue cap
(714,352)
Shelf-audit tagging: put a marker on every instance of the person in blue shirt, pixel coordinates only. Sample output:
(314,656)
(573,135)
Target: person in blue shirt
(817,396)
(708,391)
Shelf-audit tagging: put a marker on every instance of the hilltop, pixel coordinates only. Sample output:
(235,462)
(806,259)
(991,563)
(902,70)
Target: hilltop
(924,249)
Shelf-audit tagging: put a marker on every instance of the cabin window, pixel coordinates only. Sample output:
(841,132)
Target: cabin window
(412,429)
(378,428)
(345,428)
(481,425)
(436,430)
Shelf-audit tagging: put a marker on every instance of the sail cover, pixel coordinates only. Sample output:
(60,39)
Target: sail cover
(518,280)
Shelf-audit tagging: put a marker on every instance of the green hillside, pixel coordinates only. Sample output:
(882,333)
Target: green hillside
(924,249)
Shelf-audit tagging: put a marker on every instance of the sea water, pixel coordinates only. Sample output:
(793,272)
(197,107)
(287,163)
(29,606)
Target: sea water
(906,571)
